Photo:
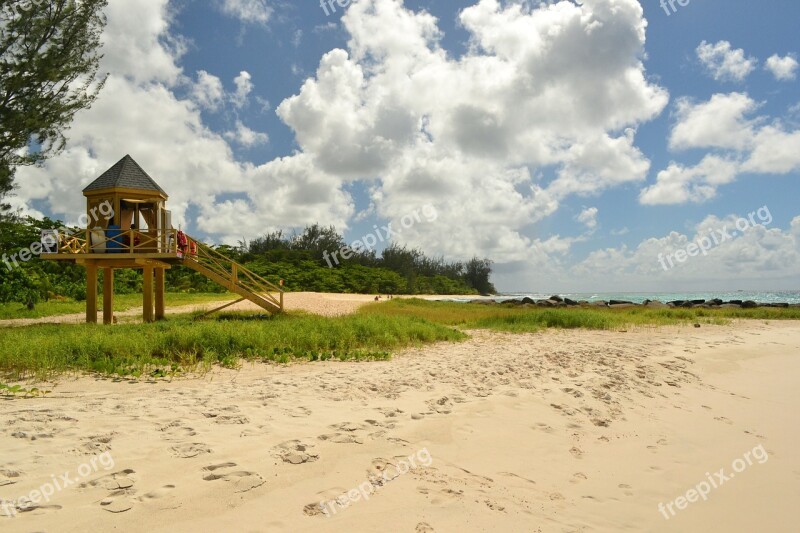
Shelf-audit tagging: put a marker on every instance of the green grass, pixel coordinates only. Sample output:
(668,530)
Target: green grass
(122,302)
(182,343)
(159,349)
(531,319)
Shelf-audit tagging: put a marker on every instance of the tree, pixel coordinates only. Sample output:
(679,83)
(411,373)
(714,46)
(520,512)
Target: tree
(49,57)
(477,275)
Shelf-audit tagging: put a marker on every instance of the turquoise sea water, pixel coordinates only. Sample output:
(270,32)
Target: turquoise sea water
(791,297)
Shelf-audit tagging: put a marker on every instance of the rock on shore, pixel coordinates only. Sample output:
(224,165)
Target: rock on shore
(558,301)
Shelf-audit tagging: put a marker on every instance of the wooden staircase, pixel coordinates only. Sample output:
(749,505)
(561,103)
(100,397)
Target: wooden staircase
(233,276)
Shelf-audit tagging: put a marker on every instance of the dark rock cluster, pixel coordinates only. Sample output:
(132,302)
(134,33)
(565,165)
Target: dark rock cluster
(558,301)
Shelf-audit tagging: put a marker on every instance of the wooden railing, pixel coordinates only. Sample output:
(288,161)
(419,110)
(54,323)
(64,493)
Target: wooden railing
(235,277)
(125,241)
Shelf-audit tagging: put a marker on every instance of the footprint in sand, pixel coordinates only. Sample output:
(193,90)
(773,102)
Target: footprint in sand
(117,502)
(8,477)
(297,412)
(189,450)
(161,499)
(240,480)
(124,479)
(226,418)
(295,452)
(443,405)
(157,494)
(494,506)
(34,508)
(121,486)
(512,474)
(578,477)
(313,509)
(424,527)
(441,496)
(175,430)
(576,452)
(94,444)
(350,433)
(626,489)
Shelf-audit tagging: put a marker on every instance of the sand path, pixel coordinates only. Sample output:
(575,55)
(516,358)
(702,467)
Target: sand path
(320,303)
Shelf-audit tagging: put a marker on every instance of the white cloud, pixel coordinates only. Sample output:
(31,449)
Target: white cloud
(725,63)
(137,44)
(244,86)
(762,252)
(776,151)
(783,68)
(208,91)
(718,123)
(588,217)
(738,143)
(245,136)
(249,11)
(678,184)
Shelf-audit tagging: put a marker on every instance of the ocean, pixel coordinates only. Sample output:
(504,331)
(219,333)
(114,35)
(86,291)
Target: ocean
(790,297)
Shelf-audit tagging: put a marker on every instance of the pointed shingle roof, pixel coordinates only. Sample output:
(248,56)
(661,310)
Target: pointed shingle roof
(125,174)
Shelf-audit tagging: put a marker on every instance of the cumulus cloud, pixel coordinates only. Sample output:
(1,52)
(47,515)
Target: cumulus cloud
(720,122)
(244,86)
(546,87)
(724,63)
(759,252)
(738,142)
(588,217)
(249,11)
(245,136)
(207,91)
(678,184)
(783,68)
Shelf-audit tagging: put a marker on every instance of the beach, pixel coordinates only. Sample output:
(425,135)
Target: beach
(555,431)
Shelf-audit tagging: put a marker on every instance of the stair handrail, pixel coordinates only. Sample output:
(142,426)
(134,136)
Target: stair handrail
(224,266)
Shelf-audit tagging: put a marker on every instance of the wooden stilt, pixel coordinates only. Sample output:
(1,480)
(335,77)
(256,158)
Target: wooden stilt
(108,295)
(147,311)
(91,293)
(160,306)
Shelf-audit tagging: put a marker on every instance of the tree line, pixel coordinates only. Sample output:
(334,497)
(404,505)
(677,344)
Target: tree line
(296,258)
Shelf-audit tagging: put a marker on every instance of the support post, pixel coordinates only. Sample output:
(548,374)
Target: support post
(108,295)
(160,307)
(147,300)
(91,293)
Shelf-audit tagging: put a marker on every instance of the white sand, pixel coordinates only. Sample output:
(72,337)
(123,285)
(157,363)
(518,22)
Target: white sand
(561,431)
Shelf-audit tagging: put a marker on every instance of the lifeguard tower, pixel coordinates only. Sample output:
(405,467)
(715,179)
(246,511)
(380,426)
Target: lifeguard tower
(138,234)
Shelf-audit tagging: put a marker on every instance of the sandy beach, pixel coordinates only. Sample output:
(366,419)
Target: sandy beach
(561,431)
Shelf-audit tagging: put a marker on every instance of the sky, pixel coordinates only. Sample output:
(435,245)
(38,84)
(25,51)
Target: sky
(596,145)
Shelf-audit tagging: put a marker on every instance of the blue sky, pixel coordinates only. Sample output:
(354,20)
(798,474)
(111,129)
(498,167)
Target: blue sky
(571,143)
